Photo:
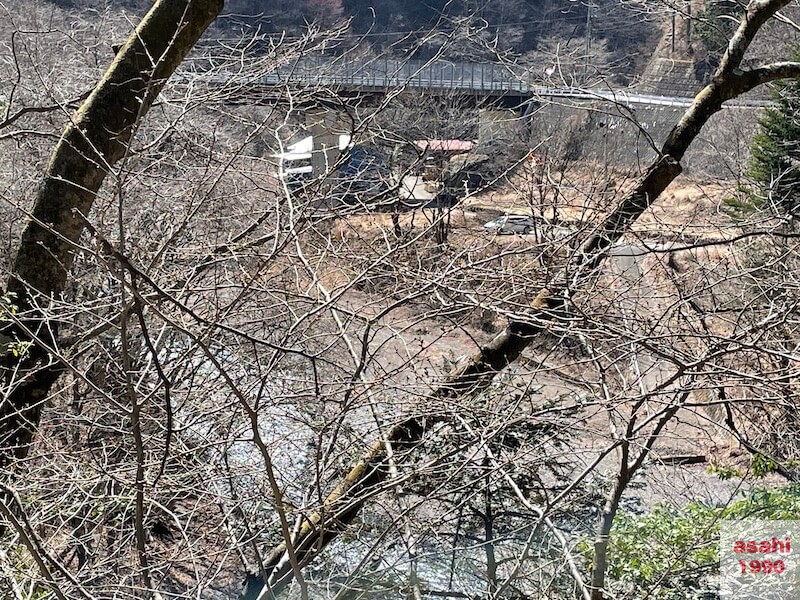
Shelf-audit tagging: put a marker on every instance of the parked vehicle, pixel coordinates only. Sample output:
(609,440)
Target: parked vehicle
(363,175)
(522,224)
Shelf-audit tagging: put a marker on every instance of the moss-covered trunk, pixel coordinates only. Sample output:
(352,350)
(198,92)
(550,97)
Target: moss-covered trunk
(96,138)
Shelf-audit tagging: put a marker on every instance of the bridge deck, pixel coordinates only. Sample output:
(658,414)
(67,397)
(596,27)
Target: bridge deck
(477,79)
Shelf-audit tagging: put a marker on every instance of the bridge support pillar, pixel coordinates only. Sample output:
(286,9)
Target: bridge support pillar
(496,126)
(325,127)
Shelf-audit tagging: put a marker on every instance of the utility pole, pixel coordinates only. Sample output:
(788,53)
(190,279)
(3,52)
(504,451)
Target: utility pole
(588,42)
(673,31)
(689,22)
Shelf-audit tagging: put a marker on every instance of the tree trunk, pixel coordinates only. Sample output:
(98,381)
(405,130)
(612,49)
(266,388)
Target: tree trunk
(600,557)
(96,138)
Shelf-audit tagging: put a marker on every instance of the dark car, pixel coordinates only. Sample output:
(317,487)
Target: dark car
(364,172)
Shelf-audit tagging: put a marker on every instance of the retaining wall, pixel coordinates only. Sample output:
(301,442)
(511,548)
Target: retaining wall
(627,137)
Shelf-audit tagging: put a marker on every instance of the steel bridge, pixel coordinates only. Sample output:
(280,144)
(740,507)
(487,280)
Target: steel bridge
(488,81)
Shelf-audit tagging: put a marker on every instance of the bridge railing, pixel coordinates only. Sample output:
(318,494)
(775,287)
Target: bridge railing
(381,74)
(389,73)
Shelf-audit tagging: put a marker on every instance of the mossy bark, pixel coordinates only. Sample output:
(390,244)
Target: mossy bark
(96,138)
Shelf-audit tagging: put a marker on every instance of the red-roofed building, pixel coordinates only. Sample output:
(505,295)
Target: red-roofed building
(445,146)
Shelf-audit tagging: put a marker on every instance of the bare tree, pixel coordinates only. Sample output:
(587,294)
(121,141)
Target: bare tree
(476,374)
(95,140)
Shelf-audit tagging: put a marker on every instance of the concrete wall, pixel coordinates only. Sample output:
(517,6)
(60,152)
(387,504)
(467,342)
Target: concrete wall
(608,134)
(502,127)
(325,126)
